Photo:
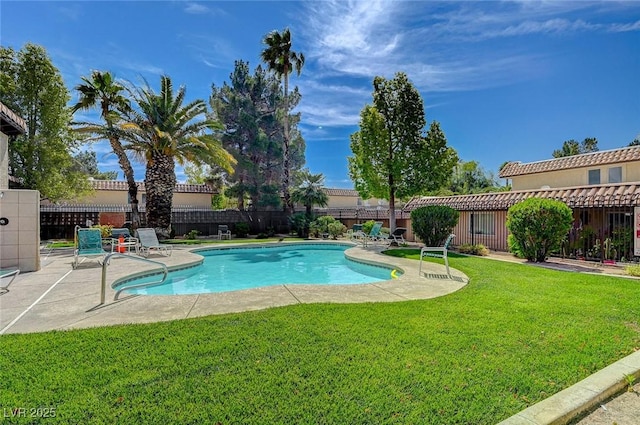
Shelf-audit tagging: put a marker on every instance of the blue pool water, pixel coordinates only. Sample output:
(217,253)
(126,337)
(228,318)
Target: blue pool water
(232,269)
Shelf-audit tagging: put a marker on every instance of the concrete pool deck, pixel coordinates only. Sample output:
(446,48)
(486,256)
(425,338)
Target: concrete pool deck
(59,298)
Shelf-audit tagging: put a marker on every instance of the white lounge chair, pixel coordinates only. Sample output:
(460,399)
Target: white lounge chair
(127,243)
(149,241)
(224,232)
(397,236)
(438,252)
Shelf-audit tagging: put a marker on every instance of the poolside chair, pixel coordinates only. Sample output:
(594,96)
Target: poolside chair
(224,232)
(397,236)
(149,241)
(9,274)
(373,236)
(438,252)
(88,244)
(128,242)
(355,232)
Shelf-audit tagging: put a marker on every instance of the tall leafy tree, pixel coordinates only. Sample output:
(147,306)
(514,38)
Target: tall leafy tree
(162,130)
(283,61)
(102,90)
(392,156)
(87,162)
(469,177)
(572,147)
(246,108)
(42,158)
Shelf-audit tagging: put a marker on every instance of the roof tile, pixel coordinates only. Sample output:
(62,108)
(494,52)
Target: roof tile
(627,154)
(122,185)
(624,194)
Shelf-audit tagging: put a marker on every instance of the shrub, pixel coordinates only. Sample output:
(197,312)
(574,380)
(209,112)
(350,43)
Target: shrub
(105,229)
(327,225)
(514,247)
(262,236)
(538,226)
(477,249)
(193,234)
(336,229)
(300,223)
(633,270)
(434,223)
(241,229)
(367,226)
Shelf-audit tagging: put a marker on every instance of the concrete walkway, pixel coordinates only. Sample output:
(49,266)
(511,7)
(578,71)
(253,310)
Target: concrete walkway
(59,298)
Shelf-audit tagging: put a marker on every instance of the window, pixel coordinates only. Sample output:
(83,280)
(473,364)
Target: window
(594,176)
(483,223)
(615,175)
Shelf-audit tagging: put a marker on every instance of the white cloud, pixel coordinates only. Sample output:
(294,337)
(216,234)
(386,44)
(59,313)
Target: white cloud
(196,8)
(633,26)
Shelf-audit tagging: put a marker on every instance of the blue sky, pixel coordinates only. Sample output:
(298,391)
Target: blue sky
(507,80)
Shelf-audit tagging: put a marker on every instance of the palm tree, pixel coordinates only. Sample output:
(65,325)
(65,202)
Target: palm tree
(162,131)
(281,60)
(103,91)
(310,192)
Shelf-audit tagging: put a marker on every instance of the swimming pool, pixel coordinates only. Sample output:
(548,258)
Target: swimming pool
(232,269)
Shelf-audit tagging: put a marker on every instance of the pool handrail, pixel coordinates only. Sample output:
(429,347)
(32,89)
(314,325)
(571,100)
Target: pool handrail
(165,272)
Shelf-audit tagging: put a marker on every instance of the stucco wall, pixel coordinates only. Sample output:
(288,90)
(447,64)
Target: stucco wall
(574,177)
(336,201)
(4,161)
(118,197)
(20,237)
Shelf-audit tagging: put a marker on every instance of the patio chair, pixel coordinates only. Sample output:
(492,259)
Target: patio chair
(224,232)
(397,236)
(355,232)
(149,241)
(373,236)
(9,274)
(88,244)
(126,243)
(438,252)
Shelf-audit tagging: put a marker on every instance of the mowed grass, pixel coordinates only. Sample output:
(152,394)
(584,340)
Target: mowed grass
(513,336)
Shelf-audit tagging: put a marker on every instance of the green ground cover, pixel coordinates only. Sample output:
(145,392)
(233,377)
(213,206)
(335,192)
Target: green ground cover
(513,336)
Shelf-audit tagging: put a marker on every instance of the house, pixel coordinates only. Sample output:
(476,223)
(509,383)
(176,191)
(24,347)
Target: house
(116,193)
(349,198)
(347,206)
(19,209)
(109,204)
(602,188)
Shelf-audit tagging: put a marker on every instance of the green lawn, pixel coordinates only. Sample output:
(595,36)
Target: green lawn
(513,336)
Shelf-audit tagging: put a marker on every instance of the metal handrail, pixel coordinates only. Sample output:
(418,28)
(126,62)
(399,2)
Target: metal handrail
(165,272)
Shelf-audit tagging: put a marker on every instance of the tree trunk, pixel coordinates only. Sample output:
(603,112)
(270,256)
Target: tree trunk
(288,205)
(392,205)
(160,182)
(127,170)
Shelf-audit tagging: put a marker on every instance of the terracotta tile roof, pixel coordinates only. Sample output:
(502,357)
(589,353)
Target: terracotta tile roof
(10,122)
(122,185)
(341,192)
(625,194)
(630,153)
